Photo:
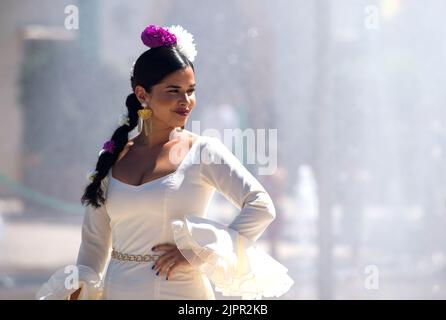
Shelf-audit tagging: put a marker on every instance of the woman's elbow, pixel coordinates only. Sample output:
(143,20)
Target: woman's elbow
(271,212)
(269,208)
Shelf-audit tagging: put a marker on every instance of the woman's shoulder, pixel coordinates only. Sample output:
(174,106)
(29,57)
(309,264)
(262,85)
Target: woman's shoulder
(210,147)
(193,137)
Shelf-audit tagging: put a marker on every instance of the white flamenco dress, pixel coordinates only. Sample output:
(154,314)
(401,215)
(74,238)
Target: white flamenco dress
(172,209)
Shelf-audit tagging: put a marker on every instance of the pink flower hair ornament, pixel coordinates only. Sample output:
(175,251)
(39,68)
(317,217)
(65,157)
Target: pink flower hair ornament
(154,36)
(109,146)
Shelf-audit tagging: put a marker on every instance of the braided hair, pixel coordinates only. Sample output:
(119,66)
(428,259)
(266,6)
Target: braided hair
(150,68)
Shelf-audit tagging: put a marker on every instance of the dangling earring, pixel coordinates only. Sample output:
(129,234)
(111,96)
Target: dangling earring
(146,114)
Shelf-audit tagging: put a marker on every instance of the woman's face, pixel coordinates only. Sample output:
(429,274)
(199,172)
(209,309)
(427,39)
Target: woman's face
(172,99)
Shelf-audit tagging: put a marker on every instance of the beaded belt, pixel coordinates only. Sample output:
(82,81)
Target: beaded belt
(134,257)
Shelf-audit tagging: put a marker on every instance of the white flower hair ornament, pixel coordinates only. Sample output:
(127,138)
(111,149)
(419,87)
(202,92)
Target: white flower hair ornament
(124,119)
(155,36)
(185,41)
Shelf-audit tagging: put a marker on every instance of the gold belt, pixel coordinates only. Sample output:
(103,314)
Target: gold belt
(134,257)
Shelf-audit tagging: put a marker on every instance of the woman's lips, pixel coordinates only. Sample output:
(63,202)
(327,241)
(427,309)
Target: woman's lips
(182,113)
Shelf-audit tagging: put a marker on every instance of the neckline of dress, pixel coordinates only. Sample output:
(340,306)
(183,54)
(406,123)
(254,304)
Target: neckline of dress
(160,178)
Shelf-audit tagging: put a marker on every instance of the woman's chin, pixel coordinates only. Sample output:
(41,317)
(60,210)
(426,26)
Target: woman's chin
(178,124)
(182,122)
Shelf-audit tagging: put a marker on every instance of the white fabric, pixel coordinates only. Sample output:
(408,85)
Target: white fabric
(61,285)
(235,265)
(135,218)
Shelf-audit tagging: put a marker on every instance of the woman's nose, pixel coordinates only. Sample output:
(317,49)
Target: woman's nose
(185,100)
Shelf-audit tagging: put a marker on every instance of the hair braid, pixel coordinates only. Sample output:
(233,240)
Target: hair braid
(94,194)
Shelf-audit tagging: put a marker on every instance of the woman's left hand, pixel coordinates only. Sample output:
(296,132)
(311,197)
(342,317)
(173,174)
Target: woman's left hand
(169,261)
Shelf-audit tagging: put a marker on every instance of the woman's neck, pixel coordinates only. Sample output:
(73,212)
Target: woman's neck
(157,137)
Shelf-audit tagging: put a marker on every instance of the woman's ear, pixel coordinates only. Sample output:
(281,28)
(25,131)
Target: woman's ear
(141,94)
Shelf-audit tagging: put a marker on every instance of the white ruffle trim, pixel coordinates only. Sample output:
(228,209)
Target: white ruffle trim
(234,264)
(63,283)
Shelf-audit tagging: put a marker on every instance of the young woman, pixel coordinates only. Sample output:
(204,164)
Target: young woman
(148,199)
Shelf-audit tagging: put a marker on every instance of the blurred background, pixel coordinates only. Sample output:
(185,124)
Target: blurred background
(353,87)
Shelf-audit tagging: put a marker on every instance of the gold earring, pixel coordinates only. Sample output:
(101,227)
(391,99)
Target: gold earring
(146,114)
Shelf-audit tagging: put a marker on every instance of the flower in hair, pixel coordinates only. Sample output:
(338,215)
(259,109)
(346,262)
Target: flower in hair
(155,36)
(109,146)
(132,70)
(92,175)
(185,41)
(124,120)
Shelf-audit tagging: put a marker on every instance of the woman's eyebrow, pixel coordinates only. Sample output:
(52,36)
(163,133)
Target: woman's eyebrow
(179,87)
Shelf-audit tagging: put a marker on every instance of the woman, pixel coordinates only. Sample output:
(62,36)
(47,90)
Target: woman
(148,197)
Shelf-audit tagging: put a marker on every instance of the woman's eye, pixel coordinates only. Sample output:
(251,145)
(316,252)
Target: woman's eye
(176,91)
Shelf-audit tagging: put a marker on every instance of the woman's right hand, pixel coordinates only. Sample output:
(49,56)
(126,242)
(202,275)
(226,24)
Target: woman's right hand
(75,294)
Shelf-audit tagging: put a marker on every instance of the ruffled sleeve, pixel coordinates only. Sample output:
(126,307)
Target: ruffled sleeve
(228,255)
(92,257)
(233,263)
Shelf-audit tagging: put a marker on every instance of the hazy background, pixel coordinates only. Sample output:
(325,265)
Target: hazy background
(354,88)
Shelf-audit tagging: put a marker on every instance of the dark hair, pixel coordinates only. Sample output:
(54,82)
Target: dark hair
(150,69)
